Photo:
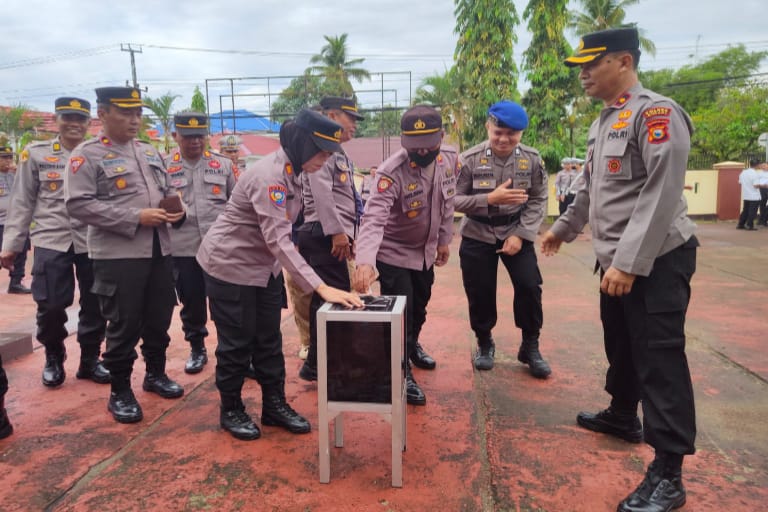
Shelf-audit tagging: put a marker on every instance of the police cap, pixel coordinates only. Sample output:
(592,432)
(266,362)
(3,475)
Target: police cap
(6,151)
(595,45)
(346,105)
(230,142)
(508,114)
(191,123)
(325,133)
(123,97)
(421,127)
(70,105)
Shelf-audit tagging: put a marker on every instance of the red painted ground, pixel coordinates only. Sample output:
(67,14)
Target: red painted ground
(496,441)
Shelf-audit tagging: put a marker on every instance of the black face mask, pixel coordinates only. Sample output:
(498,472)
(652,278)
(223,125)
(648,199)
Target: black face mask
(423,160)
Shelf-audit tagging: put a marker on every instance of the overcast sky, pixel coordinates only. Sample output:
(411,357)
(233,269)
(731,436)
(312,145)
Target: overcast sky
(51,49)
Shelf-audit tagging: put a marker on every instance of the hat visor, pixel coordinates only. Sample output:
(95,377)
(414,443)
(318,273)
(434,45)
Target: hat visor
(78,111)
(427,141)
(326,144)
(128,104)
(355,115)
(186,132)
(578,60)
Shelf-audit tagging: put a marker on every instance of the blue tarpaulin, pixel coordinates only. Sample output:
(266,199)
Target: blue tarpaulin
(241,121)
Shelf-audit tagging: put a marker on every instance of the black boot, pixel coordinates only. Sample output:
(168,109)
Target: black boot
(198,357)
(124,406)
(6,429)
(421,359)
(660,491)
(529,354)
(53,372)
(625,426)
(15,287)
(92,368)
(156,381)
(308,372)
(413,393)
(486,351)
(276,412)
(236,421)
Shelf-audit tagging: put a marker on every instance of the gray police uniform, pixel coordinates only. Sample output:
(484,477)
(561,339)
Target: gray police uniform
(408,215)
(38,210)
(242,255)
(485,228)
(205,187)
(20,261)
(563,182)
(106,186)
(635,170)
(330,208)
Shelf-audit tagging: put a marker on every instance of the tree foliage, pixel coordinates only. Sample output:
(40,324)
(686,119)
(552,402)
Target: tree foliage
(335,67)
(198,101)
(605,14)
(381,123)
(304,91)
(485,67)
(16,121)
(440,91)
(162,109)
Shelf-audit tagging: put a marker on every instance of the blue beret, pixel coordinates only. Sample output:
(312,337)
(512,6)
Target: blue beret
(508,114)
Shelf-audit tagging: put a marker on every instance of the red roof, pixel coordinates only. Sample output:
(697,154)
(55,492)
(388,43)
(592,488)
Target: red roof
(252,144)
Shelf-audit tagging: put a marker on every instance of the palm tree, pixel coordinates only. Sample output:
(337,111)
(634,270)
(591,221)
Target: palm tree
(333,65)
(605,14)
(161,107)
(441,92)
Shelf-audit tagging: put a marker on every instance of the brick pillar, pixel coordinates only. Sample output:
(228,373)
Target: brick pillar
(728,190)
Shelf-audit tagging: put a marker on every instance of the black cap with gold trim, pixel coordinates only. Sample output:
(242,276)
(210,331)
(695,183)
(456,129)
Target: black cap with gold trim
(421,127)
(123,97)
(191,123)
(70,105)
(346,105)
(595,45)
(325,133)
(6,151)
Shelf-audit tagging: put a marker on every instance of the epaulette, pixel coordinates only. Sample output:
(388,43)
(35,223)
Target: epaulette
(474,150)
(529,149)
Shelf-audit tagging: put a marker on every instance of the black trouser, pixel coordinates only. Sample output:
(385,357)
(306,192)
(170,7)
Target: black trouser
(137,299)
(19,262)
(416,285)
(53,289)
(563,205)
(479,263)
(247,322)
(763,206)
(748,213)
(644,334)
(190,288)
(3,379)
(316,249)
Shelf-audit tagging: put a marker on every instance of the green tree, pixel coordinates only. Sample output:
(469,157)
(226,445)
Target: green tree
(440,91)
(161,108)
(333,64)
(485,67)
(553,85)
(198,101)
(381,123)
(605,14)
(17,120)
(304,91)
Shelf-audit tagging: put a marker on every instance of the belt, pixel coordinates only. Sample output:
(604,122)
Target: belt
(497,220)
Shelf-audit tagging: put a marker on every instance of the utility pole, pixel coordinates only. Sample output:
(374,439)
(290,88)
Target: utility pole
(129,48)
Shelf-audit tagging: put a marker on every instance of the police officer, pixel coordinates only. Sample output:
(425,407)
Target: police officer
(205,181)
(327,236)
(646,250)
(409,224)
(118,185)
(502,189)
(7,176)
(369,181)
(229,146)
(242,255)
(6,429)
(563,182)
(60,245)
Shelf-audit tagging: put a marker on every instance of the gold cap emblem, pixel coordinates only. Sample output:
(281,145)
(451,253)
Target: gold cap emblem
(75,104)
(419,125)
(337,134)
(135,94)
(193,122)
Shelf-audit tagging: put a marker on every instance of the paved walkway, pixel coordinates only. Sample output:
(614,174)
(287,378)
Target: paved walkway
(493,441)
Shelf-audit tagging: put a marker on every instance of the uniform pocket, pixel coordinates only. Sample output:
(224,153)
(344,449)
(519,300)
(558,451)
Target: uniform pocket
(215,188)
(51,183)
(120,181)
(106,292)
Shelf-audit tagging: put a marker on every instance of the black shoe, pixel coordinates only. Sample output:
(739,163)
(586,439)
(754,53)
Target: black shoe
(124,407)
(162,385)
(413,393)
(421,359)
(197,360)
(750,228)
(250,372)
(18,289)
(307,372)
(529,354)
(276,412)
(484,356)
(53,372)
(626,427)
(93,369)
(6,429)
(655,494)
(238,423)
(739,227)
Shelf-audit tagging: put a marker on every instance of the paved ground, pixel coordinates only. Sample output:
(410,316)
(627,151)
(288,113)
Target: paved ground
(495,441)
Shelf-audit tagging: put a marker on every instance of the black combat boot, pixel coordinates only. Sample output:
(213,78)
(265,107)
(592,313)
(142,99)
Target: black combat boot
(15,287)
(308,372)
(92,368)
(529,354)
(421,359)
(486,351)
(276,412)
(156,381)
(198,357)
(6,429)
(625,426)
(236,421)
(53,372)
(413,393)
(662,488)
(122,402)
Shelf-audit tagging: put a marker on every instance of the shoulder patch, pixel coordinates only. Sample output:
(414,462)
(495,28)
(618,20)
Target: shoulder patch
(277,195)
(75,162)
(383,184)
(657,112)
(658,130)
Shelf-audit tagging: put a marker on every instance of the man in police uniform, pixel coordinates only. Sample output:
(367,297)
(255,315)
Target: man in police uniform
(646,250)
(563,182)
(118,185)
(502,189)
(60,245)
(408,224)
(7,177)
(205,181)
(327,236)
(229,146)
